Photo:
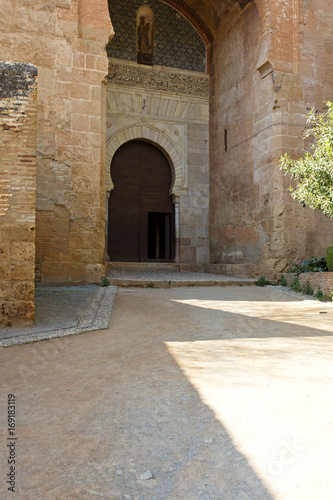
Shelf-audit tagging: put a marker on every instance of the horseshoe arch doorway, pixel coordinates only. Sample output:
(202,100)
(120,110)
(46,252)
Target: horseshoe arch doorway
(141,218)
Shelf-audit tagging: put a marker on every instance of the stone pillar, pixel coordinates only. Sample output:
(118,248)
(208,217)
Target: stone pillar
(106,257)
(177,229)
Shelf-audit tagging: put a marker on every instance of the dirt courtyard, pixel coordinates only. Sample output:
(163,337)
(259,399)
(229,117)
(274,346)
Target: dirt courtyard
(192,393)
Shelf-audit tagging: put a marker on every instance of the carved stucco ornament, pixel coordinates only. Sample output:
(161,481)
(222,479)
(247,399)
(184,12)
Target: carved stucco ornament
(159,79)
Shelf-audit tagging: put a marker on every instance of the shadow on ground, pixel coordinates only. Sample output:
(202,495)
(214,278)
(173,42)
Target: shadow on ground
(202,396)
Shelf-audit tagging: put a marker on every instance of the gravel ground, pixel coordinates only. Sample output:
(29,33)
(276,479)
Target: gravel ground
(192,393)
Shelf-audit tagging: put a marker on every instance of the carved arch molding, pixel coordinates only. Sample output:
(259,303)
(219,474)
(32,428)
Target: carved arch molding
(155,137)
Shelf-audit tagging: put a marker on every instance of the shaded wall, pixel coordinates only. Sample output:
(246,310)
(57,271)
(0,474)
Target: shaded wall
(236,112)
(262,87)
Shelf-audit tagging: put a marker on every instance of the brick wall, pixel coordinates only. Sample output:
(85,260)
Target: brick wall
(18,140)
(318,281)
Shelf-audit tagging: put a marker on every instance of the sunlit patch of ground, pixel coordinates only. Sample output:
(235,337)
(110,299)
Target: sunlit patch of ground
(272,390)
(309,314)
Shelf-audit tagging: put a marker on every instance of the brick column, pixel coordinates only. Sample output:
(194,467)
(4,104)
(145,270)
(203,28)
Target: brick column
(18,135)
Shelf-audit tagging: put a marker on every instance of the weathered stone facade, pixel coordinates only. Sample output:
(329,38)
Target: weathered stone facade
(263,82)
(268,61)
(170,109)
(67,45)
(18,140)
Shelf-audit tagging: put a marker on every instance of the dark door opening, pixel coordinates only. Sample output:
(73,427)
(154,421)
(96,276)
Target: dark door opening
(159,236)
(141,210)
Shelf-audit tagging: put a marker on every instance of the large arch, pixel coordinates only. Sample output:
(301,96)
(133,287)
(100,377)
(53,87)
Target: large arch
(197,22)
(193,17)
(141,217)
(155,137)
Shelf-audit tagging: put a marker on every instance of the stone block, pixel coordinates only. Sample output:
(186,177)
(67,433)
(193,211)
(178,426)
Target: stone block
(6,287)
(24,291)
(80,123)
(199,242)
(66,28)
(102,64)
(21,309)
(82,255)
(82,107)
(80,91)
(95,124)
(90,61)
(24,271)
(202,255)
(4,253)
(96,93)
(79,60)
(187,255)
(188,231)
(22,252)
(95,273)
(62,53)
(80,240)
(63,89)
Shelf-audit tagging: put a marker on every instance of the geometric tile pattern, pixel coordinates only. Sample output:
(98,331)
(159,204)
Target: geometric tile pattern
(177,43)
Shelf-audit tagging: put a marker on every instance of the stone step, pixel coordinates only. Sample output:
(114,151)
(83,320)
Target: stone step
(142,266)
(231,269)
(172,279)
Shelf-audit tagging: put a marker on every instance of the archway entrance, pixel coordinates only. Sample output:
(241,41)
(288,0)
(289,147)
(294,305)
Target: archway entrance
(141,210)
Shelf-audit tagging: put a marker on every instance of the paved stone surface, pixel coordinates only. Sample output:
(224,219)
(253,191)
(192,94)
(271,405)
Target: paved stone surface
(171,279)
(62,311)
(217,393)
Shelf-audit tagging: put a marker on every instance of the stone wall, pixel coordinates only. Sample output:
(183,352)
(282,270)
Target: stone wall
(271,60)
(169,108)
(67,45)
(238,110)
(264,82)
(18,141)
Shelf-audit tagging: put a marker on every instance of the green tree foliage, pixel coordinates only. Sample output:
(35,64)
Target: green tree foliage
(314,172)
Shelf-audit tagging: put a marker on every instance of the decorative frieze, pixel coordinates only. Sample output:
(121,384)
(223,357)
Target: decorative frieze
(158,79)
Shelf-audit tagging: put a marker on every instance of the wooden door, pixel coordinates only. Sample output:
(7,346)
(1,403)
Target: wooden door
(142,179)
